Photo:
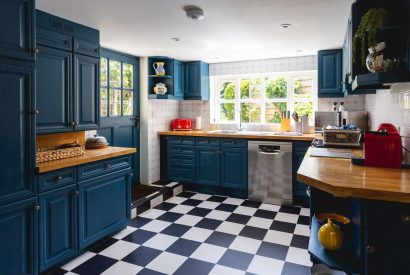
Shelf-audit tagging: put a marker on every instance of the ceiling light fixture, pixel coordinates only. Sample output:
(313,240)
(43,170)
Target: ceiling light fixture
(176,39)
(194,13)
(286,25)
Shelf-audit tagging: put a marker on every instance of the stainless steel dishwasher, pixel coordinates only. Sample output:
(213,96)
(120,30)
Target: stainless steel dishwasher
(270,172)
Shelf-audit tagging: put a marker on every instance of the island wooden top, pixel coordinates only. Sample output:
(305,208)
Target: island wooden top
(247,135)
(90,155)
(343,179)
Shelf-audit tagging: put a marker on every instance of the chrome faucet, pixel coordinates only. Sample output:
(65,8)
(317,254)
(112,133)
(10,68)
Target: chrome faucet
(239,129)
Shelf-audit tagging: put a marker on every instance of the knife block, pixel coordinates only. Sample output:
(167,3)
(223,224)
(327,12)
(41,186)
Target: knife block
(285,125)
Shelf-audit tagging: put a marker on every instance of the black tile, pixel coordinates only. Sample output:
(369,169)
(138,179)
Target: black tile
(95,265)
(238,218)
(292,269)
(216,199)
(300,241)
(143,207)
(304,220)
(139,222)
(289,209)
(54,271)
(226,207)
(165,206)
(236,259)
(193,266)
(220,239)
(183,247)
(253,204)
(271,250)
(186,194)
(208,224)
(100,246)
(198,211)
(253,232)
(192,202)
(142,256)
(176,230)
(147,271)
(283,226)
(139,237)
(265,214)
(170,216)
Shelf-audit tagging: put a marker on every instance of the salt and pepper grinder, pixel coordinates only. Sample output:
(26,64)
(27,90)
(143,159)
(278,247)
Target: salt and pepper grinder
(334,106)
(342,106)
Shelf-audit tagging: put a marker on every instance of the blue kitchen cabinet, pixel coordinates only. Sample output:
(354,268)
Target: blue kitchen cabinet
(208,162)
(330,74)
(54,91)
(57,226)
(17,29)
(299,188)
(179,79)
(196,80)
(19,237)
(234,168)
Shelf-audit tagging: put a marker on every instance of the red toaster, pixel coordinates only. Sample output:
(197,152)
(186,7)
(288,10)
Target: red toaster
(181,124)
(383,148)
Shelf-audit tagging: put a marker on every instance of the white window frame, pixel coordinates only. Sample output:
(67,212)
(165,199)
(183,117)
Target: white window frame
(215,99)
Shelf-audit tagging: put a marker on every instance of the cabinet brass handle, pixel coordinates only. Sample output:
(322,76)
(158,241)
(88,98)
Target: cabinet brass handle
(370,249)
(405,218)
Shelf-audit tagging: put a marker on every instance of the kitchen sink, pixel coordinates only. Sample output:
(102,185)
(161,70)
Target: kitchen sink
(224,132)
(255,133)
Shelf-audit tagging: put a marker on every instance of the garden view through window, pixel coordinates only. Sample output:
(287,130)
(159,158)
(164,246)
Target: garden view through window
(261,99)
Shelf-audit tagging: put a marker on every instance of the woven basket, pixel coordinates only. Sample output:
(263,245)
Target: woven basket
(55,152)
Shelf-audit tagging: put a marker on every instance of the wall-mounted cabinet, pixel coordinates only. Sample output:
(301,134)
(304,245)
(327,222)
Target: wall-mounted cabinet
(330,73)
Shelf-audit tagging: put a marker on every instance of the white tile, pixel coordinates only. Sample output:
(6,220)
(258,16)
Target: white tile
(119,250)
(152,213)
(182,209)
(285,217)
(302,229)
(233,201)
(167,263)
(189,220)
(269,207)
(160,241)
(208,253)
(278,237)
(133,213)
(304,212)
(171,184)
(202,197)
(122,268)
(263,265)
(156,226)
(208,204)
(230,228)
(220,269)
(177,190)
(218,215)
(124,232)
(243,210)
(197,234)
(298,256)
(77,261)
(260,222)
(176,200)
(246,245)
(157,200)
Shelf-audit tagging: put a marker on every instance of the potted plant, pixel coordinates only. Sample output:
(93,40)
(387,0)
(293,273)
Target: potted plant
(366,32)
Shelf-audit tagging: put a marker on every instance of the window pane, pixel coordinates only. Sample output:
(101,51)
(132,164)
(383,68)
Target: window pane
(274,110)
(103,72)
(303,88)
(304,108)
(276,87)
(227,90)
(115,73)
(127,75)
(103,104)
(227,112)
(251,88)
(115,102)
(127,104)
(251,112)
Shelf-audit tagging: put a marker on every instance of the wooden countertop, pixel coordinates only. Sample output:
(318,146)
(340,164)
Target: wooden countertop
(247,135)
(343,179)
(90,155)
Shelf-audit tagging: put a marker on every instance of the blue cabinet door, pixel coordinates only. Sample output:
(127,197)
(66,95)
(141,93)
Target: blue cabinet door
(208,161)
(17,137)
(54,91)
(104,206)
(19,238)
(178,79)
(234,168)
(58,226)
(86,93)
(196,80)
(16,29)
(330,74)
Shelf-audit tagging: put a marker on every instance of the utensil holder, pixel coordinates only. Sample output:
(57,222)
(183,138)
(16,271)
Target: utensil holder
(285,125)
(305,125)
(298,127)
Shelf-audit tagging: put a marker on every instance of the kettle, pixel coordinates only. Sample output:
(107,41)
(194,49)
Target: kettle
(330,236)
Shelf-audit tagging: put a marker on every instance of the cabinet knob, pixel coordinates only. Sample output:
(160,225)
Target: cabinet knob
(107,165)
(76,123)
(405,218)
(131,174)
(35,112)
(370,249)
(37,208)
(72,123)
(59,178)
(76,193)
(34,50)
(232,142)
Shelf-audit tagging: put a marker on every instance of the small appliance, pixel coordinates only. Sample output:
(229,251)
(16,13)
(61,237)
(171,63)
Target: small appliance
(383,148)
(181,124)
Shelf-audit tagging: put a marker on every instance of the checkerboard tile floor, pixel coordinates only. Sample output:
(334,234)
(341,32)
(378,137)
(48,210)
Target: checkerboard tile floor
(194,234)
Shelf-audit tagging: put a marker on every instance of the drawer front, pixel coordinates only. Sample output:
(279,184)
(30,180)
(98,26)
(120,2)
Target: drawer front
(388,217)
(102,167)
(181,159)
(181,140)
(87,48)
(55,179)
(301,146)
(179,172)
(234,142)
(207,141)
(185,150)
(53,39)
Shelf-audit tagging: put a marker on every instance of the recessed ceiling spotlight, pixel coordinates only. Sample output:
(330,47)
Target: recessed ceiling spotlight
(286,25)
(193,12)
(176,39)
(299,51)
(217,57)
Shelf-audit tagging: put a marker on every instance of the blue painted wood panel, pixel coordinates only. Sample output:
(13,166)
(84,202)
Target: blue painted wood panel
(181,172)
(208,162)
(330,74)
(56,179)
(61,41)
(234,168)
(86,47)
(179,79)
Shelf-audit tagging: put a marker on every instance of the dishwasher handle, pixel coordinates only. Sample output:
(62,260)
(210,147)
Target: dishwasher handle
(276,152)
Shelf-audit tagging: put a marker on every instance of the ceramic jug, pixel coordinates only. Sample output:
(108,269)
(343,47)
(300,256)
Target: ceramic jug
(159,68)
(330,236)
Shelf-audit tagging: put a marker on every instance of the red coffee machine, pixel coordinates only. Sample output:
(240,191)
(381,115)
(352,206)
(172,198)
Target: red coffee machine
(181,124)
(383,147)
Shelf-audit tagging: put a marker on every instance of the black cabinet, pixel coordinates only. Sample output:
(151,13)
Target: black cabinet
(330,74)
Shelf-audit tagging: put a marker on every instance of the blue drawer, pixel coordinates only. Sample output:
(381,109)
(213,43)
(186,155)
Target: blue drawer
(181,159)
(102,167)
(301,146)
(234,142)
(181,140)
(184,150)
(55,179)
(87,48)
(53,39)
(180,172)
(207,141)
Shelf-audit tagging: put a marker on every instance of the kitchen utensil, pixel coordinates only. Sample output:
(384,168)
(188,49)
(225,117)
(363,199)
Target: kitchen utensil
(330,236)
(181,124)
(159,68)
(295,116)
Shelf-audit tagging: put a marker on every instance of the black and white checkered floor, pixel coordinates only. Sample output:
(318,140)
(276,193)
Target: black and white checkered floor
(194,234)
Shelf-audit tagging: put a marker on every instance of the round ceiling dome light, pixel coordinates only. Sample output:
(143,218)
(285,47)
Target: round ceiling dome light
(176,39)
(286,25)
(194,13)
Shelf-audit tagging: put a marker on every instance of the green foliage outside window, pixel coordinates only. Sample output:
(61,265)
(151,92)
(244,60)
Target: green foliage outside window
(276,88)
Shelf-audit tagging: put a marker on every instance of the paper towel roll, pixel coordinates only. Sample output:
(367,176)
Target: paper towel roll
(198,123)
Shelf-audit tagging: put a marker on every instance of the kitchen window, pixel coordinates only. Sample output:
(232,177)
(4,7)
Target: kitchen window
(260,99)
